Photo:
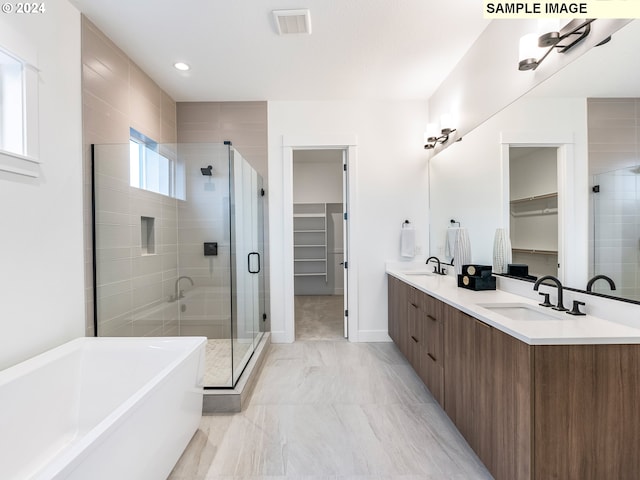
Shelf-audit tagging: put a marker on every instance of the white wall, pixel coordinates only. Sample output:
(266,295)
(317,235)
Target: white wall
(467,179)
(392,185)
(317,176)
(41,247)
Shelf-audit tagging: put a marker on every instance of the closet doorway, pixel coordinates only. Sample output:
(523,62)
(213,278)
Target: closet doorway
(319,243)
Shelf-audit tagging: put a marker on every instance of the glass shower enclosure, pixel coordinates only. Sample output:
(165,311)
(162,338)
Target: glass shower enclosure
(178,248)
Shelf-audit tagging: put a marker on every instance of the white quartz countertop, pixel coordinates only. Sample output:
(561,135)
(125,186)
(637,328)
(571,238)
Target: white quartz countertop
(564,329)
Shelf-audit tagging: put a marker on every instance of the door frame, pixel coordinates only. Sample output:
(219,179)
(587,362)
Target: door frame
(290,143)
(571,271)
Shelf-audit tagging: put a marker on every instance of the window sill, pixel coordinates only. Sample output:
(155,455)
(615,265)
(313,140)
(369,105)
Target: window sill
(19,164)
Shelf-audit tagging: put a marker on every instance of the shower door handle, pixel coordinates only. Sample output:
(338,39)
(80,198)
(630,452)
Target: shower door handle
(249,262)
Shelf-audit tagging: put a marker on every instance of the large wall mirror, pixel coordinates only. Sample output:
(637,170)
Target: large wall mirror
(586,118)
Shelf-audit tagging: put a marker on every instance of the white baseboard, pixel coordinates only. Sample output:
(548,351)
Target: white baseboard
(372,336)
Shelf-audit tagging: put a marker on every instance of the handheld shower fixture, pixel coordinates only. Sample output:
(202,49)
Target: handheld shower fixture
(206,171)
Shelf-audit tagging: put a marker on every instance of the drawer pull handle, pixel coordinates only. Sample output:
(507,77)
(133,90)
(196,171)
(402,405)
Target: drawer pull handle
(432,357)
(414,339)
(413,305)
(430,317)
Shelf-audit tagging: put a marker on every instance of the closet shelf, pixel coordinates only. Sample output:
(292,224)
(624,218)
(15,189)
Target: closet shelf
(532,213)
(535,197)
(534,251)
(310,231)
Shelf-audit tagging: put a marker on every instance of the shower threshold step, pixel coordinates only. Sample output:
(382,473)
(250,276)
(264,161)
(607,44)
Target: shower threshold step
(231,400)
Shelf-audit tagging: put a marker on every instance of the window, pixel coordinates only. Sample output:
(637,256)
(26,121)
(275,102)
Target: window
(151,166)
(12,138)
(18,115)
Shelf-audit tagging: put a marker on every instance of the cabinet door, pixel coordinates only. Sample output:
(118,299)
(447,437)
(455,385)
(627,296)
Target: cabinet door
(431,369)
(459,358)
(586,400)
(394,301)
(513,407)
(398,309)
(414,333)
(483,437)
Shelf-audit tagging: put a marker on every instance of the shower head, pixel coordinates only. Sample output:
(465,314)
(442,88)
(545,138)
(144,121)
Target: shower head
(206,171)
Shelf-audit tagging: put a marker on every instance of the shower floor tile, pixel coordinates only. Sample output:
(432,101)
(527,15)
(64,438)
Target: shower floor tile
(218,361)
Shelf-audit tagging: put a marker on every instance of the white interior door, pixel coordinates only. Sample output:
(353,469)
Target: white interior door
(345,240)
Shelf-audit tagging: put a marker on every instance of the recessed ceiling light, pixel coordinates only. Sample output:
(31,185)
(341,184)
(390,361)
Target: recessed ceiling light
(293,21)
(181,66)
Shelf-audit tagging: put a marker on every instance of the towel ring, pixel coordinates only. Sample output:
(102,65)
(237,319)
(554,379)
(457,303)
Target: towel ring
(452,221)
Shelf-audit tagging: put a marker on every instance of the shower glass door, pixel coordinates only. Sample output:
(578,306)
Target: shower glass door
(246,234)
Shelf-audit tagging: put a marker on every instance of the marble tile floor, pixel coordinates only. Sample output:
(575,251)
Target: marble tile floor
(319,317)
(332,410)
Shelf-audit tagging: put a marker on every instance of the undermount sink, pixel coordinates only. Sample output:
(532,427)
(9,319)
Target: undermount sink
(523,311)
(420,272)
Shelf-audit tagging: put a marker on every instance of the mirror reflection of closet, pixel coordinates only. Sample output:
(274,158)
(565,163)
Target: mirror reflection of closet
(533,208)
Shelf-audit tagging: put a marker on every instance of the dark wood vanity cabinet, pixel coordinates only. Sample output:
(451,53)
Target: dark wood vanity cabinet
(536,412)
(415,325)
(431,361)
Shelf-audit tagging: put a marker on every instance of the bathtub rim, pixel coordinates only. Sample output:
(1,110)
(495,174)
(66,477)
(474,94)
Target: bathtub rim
(81,446)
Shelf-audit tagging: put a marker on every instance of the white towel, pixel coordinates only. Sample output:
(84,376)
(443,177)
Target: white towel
(407,241)
(450,242)
(462,250)
(502,255)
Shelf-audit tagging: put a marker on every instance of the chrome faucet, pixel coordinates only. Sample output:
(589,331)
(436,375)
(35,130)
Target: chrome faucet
(612,285)
(560,305)
(439,270)
(178,294)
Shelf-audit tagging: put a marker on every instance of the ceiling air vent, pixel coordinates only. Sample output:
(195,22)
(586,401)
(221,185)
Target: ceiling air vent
(293,21)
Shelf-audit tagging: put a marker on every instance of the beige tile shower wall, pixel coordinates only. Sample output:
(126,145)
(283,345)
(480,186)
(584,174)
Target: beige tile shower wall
(133,287)
(117,95)
(614,133)
(244,124)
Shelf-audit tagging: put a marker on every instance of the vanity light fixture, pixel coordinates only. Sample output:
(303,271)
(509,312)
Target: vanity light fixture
(432,137)
(183,67)
(563,39)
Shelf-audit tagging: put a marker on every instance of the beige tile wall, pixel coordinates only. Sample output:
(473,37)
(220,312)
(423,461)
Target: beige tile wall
(117,95)
(244,124)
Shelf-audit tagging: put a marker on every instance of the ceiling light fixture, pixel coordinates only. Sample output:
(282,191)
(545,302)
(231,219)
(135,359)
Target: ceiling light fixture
(293,21)
(431,136)
(563,39)
(181,66)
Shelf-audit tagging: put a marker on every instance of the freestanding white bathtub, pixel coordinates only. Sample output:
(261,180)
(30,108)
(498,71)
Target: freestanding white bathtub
(101,408)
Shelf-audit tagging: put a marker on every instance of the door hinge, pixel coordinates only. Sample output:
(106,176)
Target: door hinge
(344,167)
(264,317)
(346,264)
(596,189)
(345,216)
(262,192)
(346,313)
